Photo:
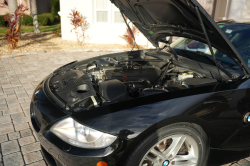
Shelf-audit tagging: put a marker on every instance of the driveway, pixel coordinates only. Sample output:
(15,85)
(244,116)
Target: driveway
(18,78)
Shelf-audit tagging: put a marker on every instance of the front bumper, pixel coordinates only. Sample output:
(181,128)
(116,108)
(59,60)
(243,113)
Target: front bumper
(44,114)
(54,156)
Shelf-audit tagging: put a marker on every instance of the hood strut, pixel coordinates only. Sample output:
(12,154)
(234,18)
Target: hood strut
(207,39)
(128,26)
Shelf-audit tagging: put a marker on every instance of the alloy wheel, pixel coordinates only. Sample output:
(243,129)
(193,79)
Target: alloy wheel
(175,150)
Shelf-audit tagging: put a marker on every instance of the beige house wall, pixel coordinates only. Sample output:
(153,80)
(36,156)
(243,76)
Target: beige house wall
(246,12)
(222,9)
(209,6)
(43,6)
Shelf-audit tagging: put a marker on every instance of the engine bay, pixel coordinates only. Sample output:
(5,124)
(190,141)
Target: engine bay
(123,77)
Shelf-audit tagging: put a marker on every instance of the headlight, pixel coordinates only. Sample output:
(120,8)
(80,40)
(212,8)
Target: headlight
(78,135)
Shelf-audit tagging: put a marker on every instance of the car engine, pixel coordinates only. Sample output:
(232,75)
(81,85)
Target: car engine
(113,79)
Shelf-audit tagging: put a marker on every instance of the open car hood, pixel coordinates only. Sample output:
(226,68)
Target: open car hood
(160,18)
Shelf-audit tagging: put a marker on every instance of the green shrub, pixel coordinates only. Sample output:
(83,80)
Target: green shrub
(27,20)
(55,7)
(43,20)
(57,19)
(47,18)
(2,22)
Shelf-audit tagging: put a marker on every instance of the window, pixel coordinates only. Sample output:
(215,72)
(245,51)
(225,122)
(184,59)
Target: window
(106,12)
(117,15)
(102,11)
(200,52)
(239,35)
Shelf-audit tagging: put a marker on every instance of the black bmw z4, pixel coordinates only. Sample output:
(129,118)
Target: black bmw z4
(158,107)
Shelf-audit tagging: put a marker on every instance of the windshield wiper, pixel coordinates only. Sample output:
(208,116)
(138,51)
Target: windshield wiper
(230,75)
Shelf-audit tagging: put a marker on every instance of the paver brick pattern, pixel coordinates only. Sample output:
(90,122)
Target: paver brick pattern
(18,78)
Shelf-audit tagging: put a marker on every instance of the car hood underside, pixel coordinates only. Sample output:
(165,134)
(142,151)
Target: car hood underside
(160,18)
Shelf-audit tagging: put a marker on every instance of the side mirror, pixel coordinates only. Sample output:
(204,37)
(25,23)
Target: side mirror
(193,45)
(196,45)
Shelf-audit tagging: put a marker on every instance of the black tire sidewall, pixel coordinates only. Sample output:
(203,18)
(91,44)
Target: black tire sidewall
(169,131)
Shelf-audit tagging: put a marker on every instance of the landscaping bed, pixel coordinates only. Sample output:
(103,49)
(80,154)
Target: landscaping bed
(46,41)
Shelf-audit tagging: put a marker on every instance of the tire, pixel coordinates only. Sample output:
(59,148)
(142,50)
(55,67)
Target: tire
(191,139)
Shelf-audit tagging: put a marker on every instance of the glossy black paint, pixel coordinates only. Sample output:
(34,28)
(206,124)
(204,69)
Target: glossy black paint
(60,150)
(215,108)
(218,109)
(183,22)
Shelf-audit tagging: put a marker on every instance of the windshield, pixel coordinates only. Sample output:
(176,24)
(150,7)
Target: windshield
(200,52)
(238,34)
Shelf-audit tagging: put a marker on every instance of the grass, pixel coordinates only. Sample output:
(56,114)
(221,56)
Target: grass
(31,28)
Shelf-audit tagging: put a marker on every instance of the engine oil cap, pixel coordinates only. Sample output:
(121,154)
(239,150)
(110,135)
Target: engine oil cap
(247,117)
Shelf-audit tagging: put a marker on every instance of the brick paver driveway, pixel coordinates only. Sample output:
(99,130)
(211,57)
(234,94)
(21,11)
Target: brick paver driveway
(18,78)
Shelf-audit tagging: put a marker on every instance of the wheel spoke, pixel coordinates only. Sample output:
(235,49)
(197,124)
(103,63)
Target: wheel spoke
(149,158)
(158,154)
(179,150)
(175,146)
(157,164)
(183,163)
(184,157)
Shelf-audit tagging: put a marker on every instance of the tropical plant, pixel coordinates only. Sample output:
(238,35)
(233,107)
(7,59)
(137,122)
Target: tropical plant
(13,31)
(80,26)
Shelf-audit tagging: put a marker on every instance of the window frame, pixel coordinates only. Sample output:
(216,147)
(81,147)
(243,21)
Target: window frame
(96,10)
(113,10)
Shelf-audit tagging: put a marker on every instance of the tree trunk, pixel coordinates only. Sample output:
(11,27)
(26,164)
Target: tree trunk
(33,10)
(12,6)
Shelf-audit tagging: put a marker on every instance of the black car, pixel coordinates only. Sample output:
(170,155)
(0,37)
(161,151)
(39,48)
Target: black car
(158,107)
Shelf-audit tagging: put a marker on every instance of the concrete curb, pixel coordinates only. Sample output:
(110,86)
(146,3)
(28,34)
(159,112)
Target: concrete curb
(69,50)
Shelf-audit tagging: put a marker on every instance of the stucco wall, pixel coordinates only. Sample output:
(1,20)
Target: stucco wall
(209,6)
(98,32)
(236,9)
(246,12)
(232,9)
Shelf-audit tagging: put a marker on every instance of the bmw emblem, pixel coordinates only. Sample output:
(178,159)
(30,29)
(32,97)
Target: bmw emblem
(37,92)
(247,118)
(166,163)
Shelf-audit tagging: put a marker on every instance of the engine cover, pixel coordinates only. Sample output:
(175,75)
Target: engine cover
(148,73)
(113,90)
(72,86)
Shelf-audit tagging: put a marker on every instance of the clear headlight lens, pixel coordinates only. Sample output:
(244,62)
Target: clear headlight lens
(78,135)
